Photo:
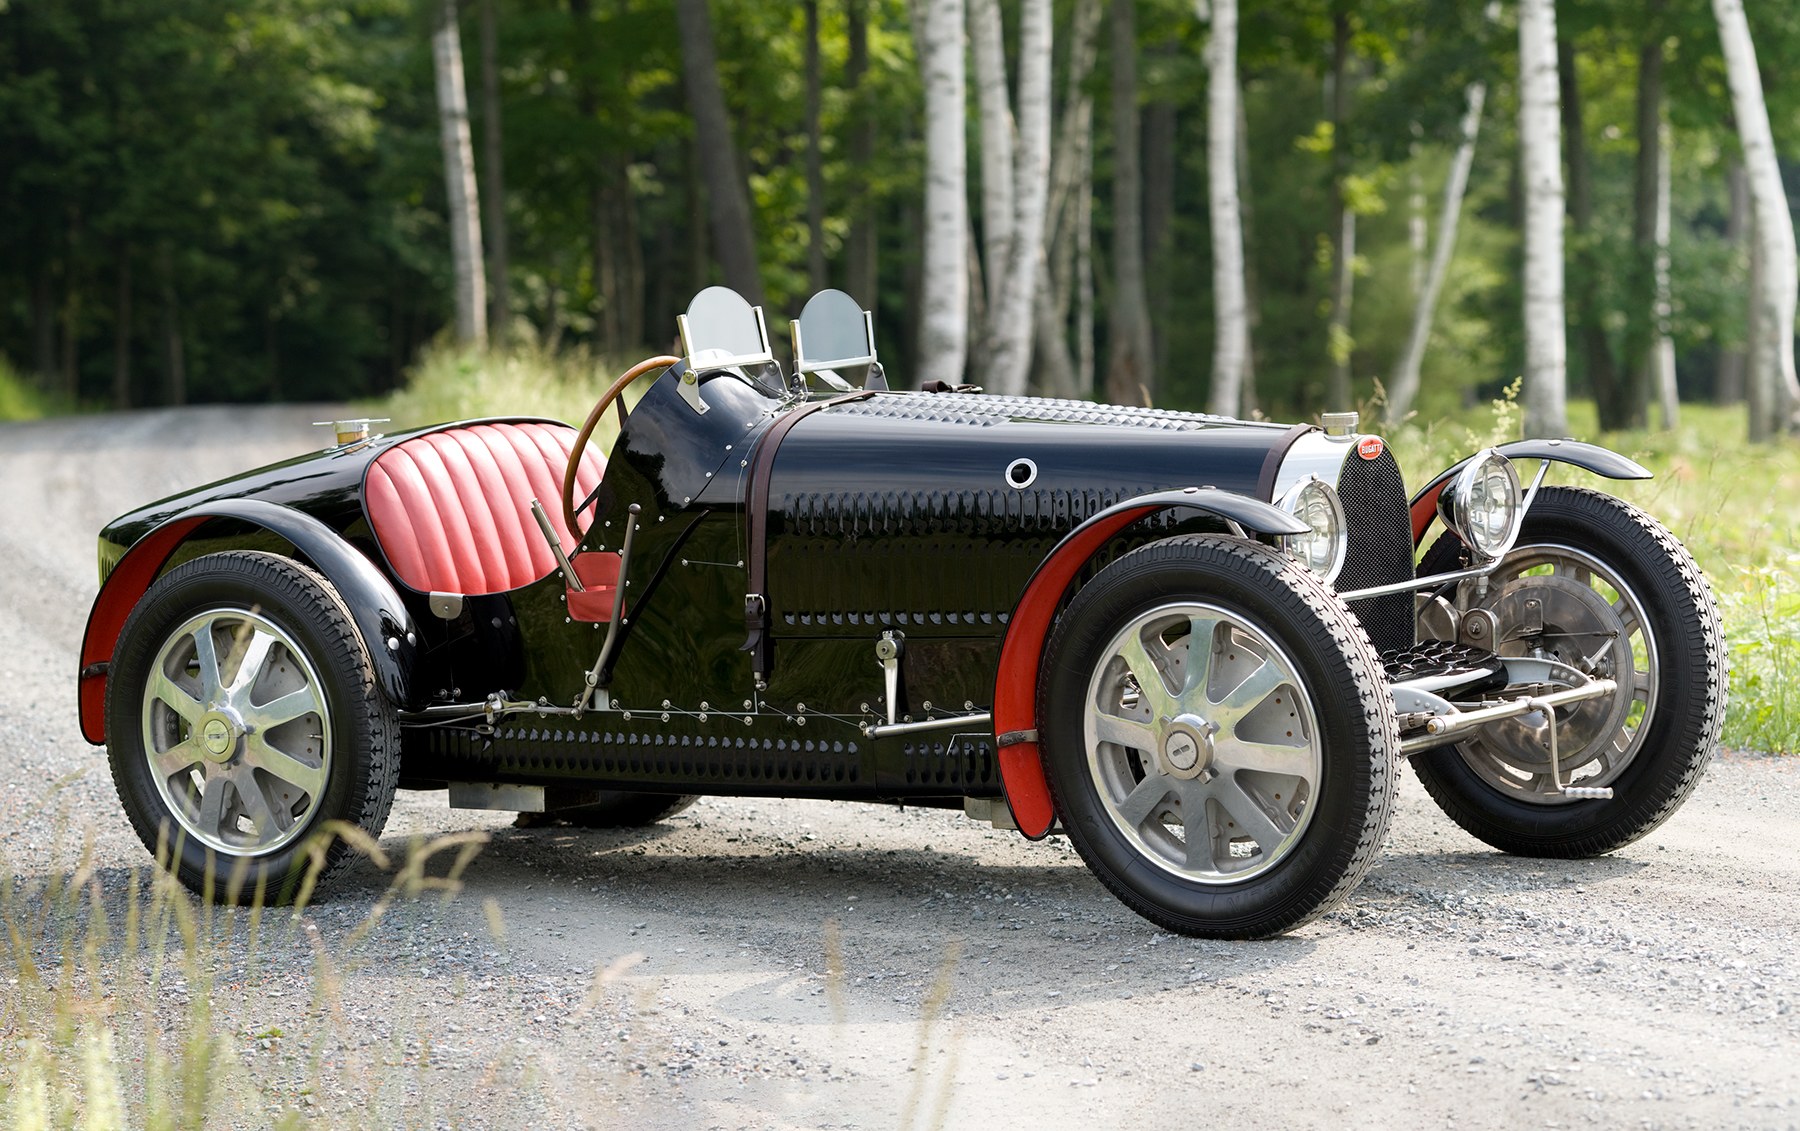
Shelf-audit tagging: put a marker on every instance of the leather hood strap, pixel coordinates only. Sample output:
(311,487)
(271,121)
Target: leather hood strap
(762,467)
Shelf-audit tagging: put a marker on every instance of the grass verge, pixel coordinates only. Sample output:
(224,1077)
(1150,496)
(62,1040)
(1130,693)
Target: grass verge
(18,400)
(110,1012)
(457,384)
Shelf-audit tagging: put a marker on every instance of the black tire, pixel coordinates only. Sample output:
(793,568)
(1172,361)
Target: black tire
(1678,734)
(359,767)
(616,809)
(1277,611)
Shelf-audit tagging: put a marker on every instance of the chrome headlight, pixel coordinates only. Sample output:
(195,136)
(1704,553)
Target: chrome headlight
(1482,505)
(1321,549)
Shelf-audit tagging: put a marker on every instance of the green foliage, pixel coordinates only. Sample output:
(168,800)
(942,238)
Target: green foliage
(263,181)
(18,400)
(224,168)
(455,384)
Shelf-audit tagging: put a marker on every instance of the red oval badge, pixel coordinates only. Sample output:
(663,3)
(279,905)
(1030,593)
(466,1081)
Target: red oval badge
(1370,447)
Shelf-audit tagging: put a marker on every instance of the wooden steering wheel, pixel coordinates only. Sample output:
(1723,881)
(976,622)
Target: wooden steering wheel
(613,395)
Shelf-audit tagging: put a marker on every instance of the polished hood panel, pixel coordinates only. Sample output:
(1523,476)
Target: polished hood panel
(967,443)
(916,512)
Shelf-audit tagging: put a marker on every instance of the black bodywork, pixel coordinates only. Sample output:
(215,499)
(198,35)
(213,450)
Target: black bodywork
(893,513)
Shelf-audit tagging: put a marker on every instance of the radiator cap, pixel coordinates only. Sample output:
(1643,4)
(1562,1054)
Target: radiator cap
(1338,424)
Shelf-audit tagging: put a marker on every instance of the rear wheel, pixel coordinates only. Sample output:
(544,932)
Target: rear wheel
(242,716)
(1595,583)
(1217,738)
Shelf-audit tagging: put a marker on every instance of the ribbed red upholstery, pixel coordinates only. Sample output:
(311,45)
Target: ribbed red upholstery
(452,509)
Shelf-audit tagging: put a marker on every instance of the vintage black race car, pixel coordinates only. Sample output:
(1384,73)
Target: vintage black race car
(1196,646)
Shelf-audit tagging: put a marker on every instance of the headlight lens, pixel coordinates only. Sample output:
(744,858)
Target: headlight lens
(1482,505)
(1321,549)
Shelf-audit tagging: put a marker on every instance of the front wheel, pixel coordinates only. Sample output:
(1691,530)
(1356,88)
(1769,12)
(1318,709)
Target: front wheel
(242,716)
(1217,737)
(1595,583)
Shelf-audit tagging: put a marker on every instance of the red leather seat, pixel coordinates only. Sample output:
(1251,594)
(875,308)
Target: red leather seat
(452,509)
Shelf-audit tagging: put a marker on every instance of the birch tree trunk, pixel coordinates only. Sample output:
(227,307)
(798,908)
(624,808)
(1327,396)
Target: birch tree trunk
(944,325)
(1231,335)
(1642,334)
(459,179)
(1010,318)
(1075,135)
(860,248)
(493,197)
(1343,234)
(733,227)
(1403,386)
(1161,158)
(1771,352)
(1071,178)
(1540,158)
(1662,350)
(1129,375)
(815,160)
(987,50)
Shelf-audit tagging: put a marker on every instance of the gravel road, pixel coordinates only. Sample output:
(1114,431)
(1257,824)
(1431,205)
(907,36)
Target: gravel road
(806,965)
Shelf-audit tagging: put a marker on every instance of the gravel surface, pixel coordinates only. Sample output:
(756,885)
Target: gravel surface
(766,964)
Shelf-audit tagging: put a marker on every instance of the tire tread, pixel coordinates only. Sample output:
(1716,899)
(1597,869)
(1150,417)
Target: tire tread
(1698,629)
(376,723)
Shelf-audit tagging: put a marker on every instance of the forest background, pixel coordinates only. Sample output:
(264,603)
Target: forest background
(211,201)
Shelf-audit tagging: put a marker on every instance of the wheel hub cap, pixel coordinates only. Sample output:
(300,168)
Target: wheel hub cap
(219,735)
(1187,745)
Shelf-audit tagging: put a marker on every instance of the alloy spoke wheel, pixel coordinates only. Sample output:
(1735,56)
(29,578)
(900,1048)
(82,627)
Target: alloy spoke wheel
(1201,743)
(237,732)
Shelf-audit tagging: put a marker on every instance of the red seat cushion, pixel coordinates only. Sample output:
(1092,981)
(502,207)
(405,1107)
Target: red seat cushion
(452,509)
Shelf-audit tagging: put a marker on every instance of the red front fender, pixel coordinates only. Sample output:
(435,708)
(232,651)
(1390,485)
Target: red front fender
(117,597)
(1015,692)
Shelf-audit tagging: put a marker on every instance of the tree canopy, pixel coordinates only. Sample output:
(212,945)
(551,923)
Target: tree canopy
(246,200)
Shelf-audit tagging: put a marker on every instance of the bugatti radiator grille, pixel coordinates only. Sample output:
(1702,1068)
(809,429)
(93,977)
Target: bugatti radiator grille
(1380,549)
